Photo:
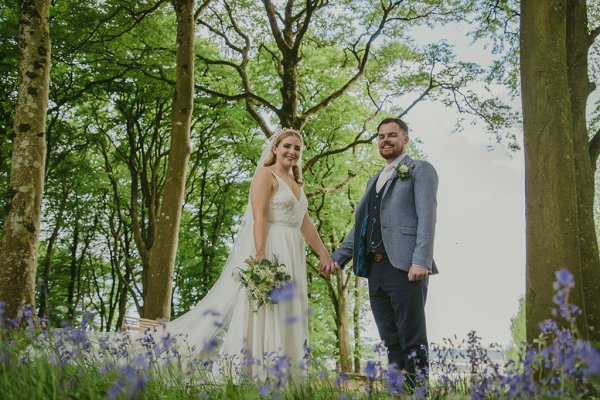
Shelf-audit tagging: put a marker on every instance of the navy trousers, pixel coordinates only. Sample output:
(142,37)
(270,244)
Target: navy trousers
(399,310)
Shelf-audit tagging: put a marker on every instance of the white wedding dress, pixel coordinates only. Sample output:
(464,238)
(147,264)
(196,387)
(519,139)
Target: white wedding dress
(251,345)
(253,340)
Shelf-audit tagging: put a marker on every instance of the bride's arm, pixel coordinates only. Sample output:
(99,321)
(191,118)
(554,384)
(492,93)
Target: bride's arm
(314,240)
(260,195)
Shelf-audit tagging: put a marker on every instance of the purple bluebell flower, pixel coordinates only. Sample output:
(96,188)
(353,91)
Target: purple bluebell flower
(307,357)
(420,392)
(283,294)
(27,314)
(210,345)
(590,358)
(115,390)
(394,380)
(564,278)
(264,390)
(212,312)
(548,326)
(218,324)
(136,386)
(279,370)
(380,348)
(370,370)
(86,318)
(339,381)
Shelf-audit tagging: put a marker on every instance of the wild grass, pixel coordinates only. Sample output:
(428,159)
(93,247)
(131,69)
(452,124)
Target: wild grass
(73,363)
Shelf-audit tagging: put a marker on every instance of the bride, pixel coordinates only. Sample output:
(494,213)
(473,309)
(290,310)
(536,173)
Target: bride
(275,225)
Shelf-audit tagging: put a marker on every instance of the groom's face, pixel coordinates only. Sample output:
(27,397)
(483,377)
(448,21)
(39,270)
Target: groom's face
(391,140)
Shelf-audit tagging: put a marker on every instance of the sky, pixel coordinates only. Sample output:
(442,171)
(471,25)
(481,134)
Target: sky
(480,231)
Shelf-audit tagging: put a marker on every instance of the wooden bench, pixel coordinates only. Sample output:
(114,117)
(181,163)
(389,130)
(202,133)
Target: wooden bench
(136,324)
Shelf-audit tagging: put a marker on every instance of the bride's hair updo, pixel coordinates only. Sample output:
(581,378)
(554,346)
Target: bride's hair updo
(276,139)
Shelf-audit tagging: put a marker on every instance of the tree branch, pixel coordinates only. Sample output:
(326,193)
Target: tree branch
(276,59)
(210,61)
(222,35)
(85,89)
(361,68)
(352,145)
(238,31)
(201,9)
(357,140)
(417,100)
(277,34)
(138,16)
(236,97)
(310,9)
(332,189)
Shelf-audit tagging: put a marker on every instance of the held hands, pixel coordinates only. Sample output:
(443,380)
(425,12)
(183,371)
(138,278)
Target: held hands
(328,265)
(417,273)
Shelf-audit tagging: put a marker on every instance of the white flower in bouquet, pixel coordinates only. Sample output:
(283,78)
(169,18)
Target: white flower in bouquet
(266,282)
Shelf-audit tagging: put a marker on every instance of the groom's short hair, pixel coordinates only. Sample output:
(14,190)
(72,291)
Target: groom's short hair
(396,121)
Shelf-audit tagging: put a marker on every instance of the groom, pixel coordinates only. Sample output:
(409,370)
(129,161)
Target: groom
(391,244)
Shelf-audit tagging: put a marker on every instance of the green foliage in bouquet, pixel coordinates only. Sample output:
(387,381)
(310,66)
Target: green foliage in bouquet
(260,278)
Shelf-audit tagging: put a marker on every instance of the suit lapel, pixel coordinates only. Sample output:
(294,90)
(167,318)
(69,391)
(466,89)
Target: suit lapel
(394,175)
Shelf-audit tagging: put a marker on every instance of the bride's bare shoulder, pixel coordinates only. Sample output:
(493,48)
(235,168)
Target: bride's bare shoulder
(264,178)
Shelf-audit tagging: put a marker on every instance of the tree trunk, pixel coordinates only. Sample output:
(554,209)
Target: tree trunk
(578,43)
(551,194)
(343,329)
(289,92)
(44,310)
(19,251)
(157,300)
(356,324)
(71,302)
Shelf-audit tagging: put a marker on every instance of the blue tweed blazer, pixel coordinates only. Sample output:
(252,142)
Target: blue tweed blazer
(408,216)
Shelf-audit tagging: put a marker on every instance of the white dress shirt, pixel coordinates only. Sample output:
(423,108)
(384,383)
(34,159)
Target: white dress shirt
(387,172)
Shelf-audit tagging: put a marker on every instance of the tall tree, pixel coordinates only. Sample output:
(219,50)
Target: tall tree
(158,280)
(560,159)
(19,250)
(586,146)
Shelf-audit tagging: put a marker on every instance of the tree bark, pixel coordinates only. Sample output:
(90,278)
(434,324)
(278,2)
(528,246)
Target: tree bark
(19,251)
(356,324)
(157,300)
(343,329)
(73,269)
(551,194)
(578,44)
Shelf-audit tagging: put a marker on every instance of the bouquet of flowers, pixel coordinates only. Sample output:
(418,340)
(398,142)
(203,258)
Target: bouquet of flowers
(262,278)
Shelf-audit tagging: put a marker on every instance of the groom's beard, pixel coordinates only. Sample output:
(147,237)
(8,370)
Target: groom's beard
(397,152)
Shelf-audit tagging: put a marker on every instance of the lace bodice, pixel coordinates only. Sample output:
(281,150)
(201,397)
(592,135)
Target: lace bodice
(285,208)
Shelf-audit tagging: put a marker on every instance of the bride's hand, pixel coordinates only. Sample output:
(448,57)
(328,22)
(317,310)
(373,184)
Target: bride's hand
(325,264)
(260,255)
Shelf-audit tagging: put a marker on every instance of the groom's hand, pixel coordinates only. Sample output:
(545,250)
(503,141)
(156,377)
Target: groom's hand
(329,267)
(334,267)
(417,272)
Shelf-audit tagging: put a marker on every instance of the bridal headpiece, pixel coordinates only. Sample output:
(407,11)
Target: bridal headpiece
(283,130)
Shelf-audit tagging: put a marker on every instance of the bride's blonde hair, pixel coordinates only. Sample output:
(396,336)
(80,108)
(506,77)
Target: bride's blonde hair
(277,138)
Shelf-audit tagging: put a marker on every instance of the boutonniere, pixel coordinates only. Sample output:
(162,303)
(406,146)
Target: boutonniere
(403,171)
